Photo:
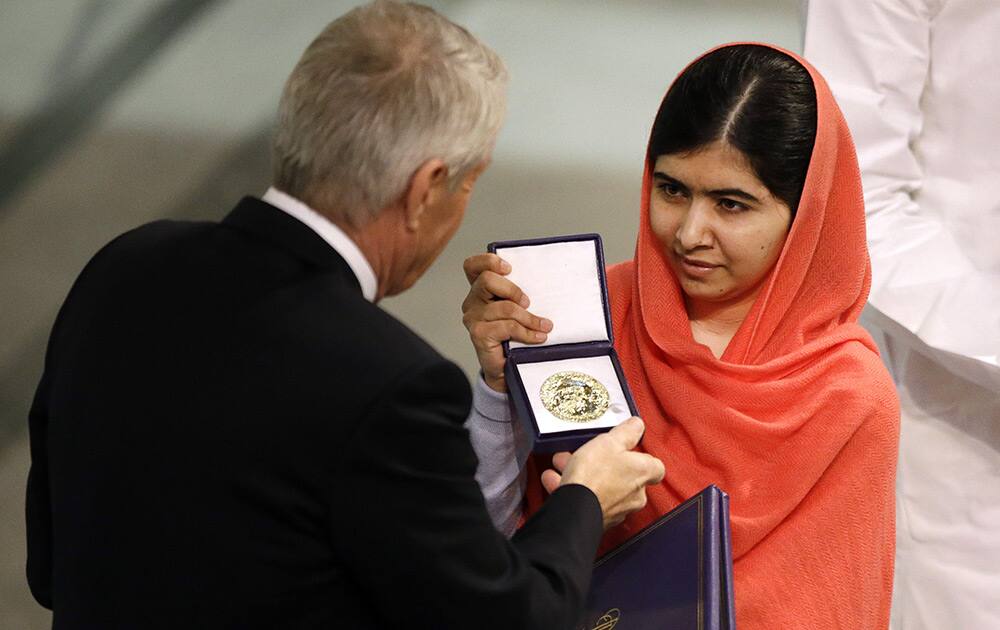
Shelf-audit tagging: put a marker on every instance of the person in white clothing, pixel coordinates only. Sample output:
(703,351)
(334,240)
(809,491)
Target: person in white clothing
(916,81)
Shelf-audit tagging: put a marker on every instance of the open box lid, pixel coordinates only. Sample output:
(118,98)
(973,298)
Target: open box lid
(564,278)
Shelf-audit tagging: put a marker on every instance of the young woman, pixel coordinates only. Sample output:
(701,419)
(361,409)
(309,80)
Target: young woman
(736,327)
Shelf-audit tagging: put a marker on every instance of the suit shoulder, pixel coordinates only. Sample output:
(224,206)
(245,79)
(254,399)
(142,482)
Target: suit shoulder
(143,243)
(158,232)
(384,337)
(324,317)
(132,252)
(365,350)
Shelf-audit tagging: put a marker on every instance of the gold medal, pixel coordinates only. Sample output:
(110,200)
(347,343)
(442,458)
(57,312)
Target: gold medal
(574,396)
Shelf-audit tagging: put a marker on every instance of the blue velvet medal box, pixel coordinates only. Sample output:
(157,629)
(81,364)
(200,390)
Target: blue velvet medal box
(676,573)
(564,279)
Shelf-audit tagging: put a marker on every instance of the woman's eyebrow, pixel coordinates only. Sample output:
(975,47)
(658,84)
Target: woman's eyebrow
(719,192)
(733,192)
(660,175)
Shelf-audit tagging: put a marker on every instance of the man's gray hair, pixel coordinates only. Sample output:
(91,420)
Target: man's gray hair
(384,88)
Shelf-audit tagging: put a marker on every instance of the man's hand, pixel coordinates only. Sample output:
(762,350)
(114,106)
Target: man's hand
(610,469)
(496,311)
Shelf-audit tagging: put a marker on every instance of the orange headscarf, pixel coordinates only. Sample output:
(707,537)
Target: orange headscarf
(798,421)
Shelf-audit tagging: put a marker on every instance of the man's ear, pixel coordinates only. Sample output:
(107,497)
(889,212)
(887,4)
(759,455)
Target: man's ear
(425,186)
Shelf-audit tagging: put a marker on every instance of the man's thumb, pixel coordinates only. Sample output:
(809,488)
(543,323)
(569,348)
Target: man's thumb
(551,480)
(629,433)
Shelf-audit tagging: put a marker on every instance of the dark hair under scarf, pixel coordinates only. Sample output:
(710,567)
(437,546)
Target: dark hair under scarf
(758,100)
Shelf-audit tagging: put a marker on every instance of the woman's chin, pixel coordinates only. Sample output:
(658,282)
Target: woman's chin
(702,288)
(707,295)
(707,292)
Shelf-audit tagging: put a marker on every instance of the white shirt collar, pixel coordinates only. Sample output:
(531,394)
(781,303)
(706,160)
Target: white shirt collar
(330,233)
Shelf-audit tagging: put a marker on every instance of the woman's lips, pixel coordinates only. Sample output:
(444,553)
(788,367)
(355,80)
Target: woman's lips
(696,268)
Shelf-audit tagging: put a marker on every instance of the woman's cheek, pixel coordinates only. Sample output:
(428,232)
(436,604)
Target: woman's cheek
(661,224)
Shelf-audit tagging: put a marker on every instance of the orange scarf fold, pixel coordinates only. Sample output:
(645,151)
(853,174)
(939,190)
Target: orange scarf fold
(798,421)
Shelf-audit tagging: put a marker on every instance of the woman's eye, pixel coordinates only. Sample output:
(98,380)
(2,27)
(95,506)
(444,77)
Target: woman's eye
(671,190)
(731,206)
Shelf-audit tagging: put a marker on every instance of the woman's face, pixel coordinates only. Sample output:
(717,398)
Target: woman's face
(721,229)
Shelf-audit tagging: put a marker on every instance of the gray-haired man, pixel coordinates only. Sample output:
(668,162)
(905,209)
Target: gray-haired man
(229,433)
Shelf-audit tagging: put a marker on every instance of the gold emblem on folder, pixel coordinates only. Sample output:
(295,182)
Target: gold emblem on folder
(574,396)
(608,620)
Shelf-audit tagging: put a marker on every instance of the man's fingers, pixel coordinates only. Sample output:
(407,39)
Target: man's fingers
(475,265)
(615,521)
(628,433)
(559,460)
(551,480)
(639,501)
(654,469)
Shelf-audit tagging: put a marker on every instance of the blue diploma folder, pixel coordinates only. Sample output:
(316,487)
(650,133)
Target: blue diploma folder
(675,574)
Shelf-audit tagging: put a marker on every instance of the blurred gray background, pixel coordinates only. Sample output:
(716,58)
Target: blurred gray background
(114,113)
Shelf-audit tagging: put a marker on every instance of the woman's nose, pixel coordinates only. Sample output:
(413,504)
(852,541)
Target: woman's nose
(695,228)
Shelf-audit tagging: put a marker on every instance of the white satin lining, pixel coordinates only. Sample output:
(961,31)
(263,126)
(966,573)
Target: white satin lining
(563,284)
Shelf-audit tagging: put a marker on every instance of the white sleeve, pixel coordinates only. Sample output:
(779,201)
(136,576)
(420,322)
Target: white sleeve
(503,448)
(876,62)
(875,54)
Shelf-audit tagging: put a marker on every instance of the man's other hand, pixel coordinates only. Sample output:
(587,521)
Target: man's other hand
(609,467)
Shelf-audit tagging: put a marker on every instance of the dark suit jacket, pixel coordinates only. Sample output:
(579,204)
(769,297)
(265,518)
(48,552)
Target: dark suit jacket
(228,435)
